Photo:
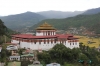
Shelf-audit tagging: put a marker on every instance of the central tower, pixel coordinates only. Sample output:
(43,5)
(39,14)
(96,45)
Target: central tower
(45,30)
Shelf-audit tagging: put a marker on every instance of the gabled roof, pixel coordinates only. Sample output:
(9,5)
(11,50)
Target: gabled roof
(26,55)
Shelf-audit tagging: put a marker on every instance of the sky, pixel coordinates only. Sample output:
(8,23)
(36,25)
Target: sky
(9,7)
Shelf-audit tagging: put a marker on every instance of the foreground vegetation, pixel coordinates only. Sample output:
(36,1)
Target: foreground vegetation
(60,54)
(4,37)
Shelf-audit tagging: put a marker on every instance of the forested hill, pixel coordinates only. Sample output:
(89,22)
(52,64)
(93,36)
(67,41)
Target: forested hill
(4,30)
(91,22)
(92,11)
(21,20)
(59,14)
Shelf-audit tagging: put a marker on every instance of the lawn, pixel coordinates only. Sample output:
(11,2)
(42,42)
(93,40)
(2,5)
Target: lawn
(14,64)
(95,42)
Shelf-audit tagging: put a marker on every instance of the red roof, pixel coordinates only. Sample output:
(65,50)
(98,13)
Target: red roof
(64,35)
(30,36)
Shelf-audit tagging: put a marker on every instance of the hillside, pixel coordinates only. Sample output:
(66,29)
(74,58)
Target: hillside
(91,22)
(92,11)
(4,31)
(59,14)
(21,20)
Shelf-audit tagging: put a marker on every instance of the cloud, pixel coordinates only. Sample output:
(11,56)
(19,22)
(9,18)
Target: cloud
(19,6)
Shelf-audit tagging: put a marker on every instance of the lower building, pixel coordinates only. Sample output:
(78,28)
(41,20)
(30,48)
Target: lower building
(53,64)
(14,58)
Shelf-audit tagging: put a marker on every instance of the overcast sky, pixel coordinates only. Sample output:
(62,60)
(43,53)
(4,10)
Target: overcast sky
(8,7)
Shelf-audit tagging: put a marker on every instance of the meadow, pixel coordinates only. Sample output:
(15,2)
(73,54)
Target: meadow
(89,41)
(14,64)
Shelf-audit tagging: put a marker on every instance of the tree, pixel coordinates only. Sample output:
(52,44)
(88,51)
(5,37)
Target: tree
(2,28)
(44,57)
(58,53)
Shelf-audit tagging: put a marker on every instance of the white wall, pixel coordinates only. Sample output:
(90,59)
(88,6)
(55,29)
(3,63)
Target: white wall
(44,33)
(45,46)
(39,34)
(14,41)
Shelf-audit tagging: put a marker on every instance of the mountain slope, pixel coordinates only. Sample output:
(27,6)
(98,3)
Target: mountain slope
(92,11)
(59,14)
(22,20)
(91,22)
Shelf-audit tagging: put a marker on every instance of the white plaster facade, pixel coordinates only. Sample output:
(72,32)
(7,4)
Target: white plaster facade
(45,46)
(45,39)
(45,33)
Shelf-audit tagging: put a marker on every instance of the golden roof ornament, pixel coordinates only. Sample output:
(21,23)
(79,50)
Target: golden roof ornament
(45,26)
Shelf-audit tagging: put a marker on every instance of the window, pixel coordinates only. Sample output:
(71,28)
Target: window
(48,41)
(44,41)
(40,41)
(55,40)
(76,43)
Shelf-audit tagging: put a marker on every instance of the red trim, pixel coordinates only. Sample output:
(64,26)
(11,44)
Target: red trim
(30,37)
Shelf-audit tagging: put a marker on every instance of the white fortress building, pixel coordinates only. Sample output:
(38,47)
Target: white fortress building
(44,39)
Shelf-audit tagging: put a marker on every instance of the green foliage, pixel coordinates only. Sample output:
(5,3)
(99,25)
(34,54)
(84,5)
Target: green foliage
(3,55)
(91,22)
(25,63)
(60,54)
(4,33)
(44,57)
(2,28)
(65,56)
(83,57)
(20,51)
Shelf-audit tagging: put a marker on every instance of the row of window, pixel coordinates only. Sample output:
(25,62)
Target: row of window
(14,58)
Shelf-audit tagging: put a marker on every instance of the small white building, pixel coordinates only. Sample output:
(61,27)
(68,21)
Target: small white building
(53,64)
(12,47)
(14,58)
(44,39)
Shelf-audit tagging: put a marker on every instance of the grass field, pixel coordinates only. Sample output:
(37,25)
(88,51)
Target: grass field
(14,64)
(95,42)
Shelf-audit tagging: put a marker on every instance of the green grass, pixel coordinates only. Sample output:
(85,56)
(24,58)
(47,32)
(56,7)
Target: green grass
(14,64)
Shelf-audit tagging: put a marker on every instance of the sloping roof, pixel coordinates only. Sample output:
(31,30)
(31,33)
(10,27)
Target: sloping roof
(45,26)
(27,55)
(31,36)
(53,64)
(64,35)
(36,62)
(67,36)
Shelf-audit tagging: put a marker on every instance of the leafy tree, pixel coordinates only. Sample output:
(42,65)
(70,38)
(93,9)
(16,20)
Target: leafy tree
(2,28)
(45,57)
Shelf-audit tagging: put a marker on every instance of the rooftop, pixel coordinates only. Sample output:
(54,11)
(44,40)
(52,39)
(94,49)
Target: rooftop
(45,26)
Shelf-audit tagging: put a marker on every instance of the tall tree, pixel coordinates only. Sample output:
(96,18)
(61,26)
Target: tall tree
(2,30)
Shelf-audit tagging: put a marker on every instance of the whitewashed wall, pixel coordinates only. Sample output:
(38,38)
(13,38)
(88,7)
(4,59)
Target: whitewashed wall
(45,46)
